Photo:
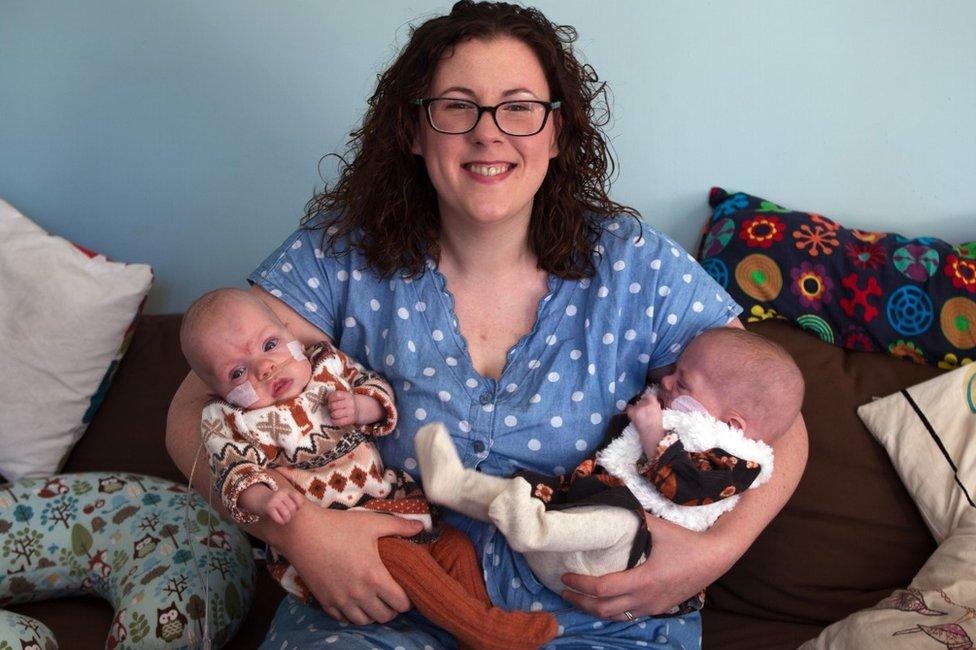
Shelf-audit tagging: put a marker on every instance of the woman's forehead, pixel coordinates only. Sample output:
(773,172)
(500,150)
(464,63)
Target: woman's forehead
(502,66)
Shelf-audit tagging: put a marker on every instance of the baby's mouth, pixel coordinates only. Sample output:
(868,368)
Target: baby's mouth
(280,386)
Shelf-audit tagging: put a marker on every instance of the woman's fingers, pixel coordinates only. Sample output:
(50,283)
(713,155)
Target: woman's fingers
(373,608)
(335,614)
(612,608)
(611,595)
(355,615)
(606,586)
(394,597)
(602,596)
(335,554)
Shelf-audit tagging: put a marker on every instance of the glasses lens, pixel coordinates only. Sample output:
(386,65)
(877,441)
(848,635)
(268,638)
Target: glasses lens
(453,115)
(520,118)
(460,116)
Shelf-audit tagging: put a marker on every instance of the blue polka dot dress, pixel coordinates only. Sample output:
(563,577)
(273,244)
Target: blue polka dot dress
(592,345)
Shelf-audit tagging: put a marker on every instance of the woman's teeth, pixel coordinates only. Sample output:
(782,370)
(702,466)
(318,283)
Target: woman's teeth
(489,170)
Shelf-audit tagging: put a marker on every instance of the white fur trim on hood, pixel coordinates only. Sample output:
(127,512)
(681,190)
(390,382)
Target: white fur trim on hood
(697,432)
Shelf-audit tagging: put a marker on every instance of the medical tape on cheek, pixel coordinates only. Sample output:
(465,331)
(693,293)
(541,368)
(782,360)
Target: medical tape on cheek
(296,350)
(687,404)
(243,395)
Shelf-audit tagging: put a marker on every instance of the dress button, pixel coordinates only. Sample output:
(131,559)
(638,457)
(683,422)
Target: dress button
(478,446)
(485,397)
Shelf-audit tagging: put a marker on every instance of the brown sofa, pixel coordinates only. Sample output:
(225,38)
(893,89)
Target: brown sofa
(848,537)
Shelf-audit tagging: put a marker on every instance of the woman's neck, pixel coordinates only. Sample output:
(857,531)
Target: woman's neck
(488,252)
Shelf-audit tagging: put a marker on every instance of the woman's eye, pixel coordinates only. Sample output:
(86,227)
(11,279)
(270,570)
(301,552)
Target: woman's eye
(270,345)
(236,374)
(518,107)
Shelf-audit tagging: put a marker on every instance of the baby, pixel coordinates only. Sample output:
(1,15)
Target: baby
(310,415)
(730,393)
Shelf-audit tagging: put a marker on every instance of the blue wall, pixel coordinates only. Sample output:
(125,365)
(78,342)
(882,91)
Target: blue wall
(187,134)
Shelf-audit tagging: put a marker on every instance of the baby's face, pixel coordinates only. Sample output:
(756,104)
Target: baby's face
(244,349)
(691,379)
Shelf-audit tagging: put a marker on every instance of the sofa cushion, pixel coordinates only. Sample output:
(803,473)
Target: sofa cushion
(65,315)
(850,534)
(938,606)
(929,431)
(914,298)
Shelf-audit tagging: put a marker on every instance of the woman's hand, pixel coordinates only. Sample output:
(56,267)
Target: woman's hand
(335,554)
(682,563)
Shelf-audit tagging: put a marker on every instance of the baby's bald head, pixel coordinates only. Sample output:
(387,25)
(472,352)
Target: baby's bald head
(210,317)
(754,375)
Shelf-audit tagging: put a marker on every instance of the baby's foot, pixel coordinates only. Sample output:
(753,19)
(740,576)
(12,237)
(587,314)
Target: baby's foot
(441,471)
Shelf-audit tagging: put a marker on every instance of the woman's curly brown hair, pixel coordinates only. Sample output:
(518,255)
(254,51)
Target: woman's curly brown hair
(383,202)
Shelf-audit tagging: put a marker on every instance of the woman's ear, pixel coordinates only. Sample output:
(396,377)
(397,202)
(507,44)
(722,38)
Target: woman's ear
(557,127)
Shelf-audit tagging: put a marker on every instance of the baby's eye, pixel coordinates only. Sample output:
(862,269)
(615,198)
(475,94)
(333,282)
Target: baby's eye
(270,344)
(236,374)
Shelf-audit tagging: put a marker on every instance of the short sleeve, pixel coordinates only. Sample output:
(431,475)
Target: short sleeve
(301,275)
(685,301)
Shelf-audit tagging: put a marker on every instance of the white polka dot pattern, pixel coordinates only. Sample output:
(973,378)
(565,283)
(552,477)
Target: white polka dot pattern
(549,408)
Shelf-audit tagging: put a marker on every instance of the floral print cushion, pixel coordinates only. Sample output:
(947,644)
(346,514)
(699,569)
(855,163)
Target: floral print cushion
(913,298)
(132,540)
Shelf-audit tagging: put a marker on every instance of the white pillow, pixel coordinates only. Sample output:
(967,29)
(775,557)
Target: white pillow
(63,320)
(929,432)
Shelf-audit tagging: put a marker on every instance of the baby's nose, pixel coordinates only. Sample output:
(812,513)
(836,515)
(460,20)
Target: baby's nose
(265,368)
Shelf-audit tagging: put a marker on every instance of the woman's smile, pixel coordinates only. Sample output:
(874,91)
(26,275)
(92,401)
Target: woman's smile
(489,172)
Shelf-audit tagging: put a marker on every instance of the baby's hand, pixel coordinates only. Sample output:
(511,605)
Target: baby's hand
(342,408)
(280,505)
(646,418)
(350,408)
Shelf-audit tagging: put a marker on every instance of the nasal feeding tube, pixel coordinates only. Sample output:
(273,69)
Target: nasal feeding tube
(244,395)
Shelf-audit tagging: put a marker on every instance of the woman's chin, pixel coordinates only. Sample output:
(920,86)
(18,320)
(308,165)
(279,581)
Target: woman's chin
(491,215)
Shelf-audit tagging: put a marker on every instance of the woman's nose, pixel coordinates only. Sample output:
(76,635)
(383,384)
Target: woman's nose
(485,129)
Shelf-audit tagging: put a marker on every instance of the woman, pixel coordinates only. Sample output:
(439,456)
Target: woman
(476,261)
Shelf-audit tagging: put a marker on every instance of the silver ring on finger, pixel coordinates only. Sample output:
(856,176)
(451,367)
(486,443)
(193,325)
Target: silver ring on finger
(630,616)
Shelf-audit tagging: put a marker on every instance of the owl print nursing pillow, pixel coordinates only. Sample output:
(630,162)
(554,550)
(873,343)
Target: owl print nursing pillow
(154,550)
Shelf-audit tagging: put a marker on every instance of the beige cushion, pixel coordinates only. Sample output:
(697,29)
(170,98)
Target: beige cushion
(929,432)
(64,314)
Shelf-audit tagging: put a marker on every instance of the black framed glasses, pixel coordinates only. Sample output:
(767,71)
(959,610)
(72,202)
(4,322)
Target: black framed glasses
(457,116)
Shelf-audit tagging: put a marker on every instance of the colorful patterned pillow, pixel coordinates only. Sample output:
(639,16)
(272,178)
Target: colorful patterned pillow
(862,290)
(169,566)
